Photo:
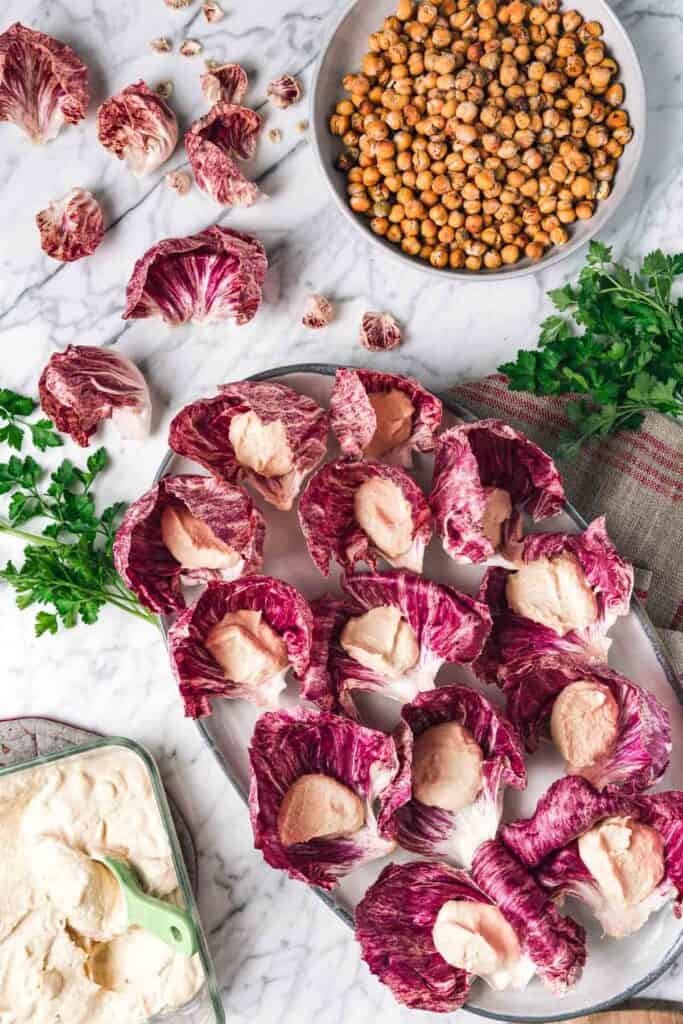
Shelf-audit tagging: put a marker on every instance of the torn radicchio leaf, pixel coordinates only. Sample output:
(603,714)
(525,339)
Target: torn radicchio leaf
(214,143)
(485,475)
(43,83)
(84,385)
(577,835)
(264,433)
(317,783)
(609,730)
(458,753)
(383,416)
(138,126)
(258,627)
(379,332)
(211,525)
(226,83)
(284,91)
(390,635)
(318,311)
(577,587)
(363,511)
(72,227)
(205,278)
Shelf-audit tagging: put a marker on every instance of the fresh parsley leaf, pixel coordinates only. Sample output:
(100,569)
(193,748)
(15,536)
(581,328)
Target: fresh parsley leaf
(14,409)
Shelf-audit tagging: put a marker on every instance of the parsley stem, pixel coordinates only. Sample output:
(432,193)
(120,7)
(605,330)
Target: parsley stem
(32,538)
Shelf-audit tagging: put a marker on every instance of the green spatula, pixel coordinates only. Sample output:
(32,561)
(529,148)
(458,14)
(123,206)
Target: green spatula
(169,923)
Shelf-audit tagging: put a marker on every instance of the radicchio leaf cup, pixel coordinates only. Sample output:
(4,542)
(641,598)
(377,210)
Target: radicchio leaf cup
(199,675)
(332,531)
(396,918)
(145,563)
(287,745)
(447,626)
(205,278)
(549,842)
(354,420)
(201,431)
(214,143)
(471,461)
(639,753)
(43,83)
(84,385)
(72,227)
(438,832)
(517,642)
(138,126)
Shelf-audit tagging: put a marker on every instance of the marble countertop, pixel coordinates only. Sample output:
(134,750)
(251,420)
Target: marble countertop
(281,956)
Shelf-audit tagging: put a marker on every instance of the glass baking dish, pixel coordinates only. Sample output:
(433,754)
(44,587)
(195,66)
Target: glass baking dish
(206,1006)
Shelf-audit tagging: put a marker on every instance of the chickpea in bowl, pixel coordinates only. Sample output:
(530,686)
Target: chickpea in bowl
(478,136)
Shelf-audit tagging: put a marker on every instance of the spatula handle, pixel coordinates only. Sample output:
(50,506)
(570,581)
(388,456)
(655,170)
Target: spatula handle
(172,925)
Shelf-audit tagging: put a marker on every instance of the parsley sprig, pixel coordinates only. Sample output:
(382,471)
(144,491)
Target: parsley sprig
(68,565)
(629,358)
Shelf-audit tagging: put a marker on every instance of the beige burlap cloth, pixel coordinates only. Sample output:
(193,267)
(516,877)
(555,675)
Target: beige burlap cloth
(633,478)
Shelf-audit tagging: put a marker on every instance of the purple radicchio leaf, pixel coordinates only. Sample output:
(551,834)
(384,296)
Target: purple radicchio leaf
(226,83)
(138,126)
(84,385)
(199,675)
(516,641)
(472,459)
(146,565)
(438,832)
(354,422)
(556,944)
(640,755)
(214,143)
(43,83)
(329,524)
(302,741)
(200,431)
(205,278)
(394,925)
(72,227)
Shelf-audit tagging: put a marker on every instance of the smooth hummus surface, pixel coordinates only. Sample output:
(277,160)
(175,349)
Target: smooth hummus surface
(66,953)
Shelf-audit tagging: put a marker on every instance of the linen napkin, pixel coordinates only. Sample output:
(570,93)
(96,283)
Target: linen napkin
(634,478)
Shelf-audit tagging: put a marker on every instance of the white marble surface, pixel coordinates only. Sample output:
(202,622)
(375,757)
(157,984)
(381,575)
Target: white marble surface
(280,955)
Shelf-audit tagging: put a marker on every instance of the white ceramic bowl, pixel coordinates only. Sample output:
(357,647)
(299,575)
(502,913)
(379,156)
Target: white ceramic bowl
(342,53)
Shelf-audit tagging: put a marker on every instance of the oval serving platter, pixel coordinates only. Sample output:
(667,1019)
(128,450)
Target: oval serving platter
(635,651)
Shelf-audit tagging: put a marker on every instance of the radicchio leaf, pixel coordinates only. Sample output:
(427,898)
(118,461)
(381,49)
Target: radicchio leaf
(199,675)
(84,385)
(43,83)
(225,83)
(138,126)
(641,753)
(394,925)
(448,626)
(72,227)
(487,454)
(354,421)
(213,143)
(329,524)
(200,431)
(288,744)
(215,275)
(318,311)
(284,91)
(556,944)
(146,565)
(438,832)
(379,332)
(517,643)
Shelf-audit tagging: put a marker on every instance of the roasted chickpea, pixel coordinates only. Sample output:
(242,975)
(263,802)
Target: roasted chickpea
(509,254)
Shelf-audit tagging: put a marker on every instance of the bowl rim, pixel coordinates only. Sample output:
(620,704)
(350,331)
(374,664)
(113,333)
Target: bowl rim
(444,273)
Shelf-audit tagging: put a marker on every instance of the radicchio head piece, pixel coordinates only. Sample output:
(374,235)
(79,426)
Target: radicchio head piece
(383,416)
(147,565)
(634,758)
(43,83)
(138,126)
(284,91)
(431,623)
(292,748)
(582,565)
(379,332)
(215,275)
(432,829)
(72,227)
(214,142)
(485,474)
(225,83)
(254,604)
(84,384)
(337,516)
(264,433)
